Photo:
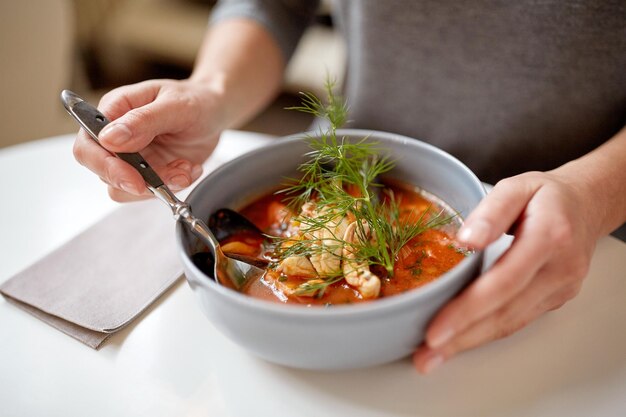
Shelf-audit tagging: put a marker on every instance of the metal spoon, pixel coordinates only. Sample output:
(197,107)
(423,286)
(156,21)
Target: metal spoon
(233,273)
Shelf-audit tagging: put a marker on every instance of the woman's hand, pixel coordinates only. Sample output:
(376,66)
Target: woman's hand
(174,124)
(555,234)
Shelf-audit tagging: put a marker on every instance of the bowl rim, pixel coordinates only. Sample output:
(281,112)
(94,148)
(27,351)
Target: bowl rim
(365,309)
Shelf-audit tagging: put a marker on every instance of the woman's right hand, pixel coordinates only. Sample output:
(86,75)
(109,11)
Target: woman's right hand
(175,125)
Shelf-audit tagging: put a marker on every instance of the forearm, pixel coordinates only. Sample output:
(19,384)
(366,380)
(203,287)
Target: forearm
(601,176)
(243,63)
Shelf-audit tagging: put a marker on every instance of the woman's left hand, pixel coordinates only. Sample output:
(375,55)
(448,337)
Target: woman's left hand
(555,236)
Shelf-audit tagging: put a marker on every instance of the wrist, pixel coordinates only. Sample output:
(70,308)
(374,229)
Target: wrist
(590,201)
(212,89)
(599,181)
(242,63)
(214,80)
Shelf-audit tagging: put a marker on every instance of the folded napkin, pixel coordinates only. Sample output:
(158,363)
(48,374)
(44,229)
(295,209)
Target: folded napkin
(101,280)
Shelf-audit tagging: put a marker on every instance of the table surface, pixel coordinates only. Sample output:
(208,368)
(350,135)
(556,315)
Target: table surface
(172,362)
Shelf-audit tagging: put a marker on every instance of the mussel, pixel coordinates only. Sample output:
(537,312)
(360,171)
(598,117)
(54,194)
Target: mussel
(225,223)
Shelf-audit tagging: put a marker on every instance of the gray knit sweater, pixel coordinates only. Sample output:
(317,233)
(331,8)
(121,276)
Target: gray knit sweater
(506,86)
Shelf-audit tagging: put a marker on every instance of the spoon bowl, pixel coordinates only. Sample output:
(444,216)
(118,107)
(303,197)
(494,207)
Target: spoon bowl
(225,223)
(231,271)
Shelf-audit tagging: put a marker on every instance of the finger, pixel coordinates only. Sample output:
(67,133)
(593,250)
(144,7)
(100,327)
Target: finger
(137,128)
(108,167)
(512,317)
(505,280)
(119,101)
(543,295)
(562,296)
(180,174)
(177,174)
(497,212)
(122,196)
(426,360)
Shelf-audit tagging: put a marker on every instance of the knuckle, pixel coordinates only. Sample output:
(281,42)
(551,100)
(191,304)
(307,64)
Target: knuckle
(525,182)
(534,174)
(517,179)
(119,196)
(556,305)
(107,170)
(115,194)
(507,329)
(109,173)
(561,298)
(141,116)
(508,323)
(112,101)
(579,269)
(503,332)
(117,94)
(108,97)
(571,291)
(561,231)
(505,182)
(188,101)
(79,153)
(188,105)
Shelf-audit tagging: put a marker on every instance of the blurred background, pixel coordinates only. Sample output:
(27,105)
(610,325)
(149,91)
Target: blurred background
(93,46)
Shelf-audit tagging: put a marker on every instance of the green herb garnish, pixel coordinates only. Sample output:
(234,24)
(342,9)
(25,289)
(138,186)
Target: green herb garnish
(342,178)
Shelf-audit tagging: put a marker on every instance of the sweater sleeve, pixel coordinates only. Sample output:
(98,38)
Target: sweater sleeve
(285,20)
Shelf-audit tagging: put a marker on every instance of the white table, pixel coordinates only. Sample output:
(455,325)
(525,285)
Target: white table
(172,362)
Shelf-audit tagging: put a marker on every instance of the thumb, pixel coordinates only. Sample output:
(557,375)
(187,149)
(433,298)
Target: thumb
(497,212)
(137,128)
(146,116)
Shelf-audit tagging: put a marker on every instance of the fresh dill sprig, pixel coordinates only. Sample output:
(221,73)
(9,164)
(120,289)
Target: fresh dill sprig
(341,177)
(335,111)
(397,233)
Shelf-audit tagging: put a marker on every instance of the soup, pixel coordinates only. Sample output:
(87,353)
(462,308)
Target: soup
(321,276)
(339,233)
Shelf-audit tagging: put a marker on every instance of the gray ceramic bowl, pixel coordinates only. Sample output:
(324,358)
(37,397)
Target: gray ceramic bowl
(339,337)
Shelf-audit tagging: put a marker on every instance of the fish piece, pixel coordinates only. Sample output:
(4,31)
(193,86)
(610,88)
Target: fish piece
(298,291)
(289,288)
(326,258)
(308,209)
(297,266)
(357,272)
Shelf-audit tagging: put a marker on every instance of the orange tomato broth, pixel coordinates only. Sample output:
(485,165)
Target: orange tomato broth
(423,259)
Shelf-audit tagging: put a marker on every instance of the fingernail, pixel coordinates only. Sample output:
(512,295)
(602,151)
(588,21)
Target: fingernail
(196,171)
(179,181)
(440,338)
(115,134)
(129,188)
(475,234)
(433,362)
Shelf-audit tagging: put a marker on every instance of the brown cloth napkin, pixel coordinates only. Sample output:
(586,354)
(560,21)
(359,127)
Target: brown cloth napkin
(101,280)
